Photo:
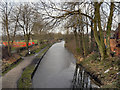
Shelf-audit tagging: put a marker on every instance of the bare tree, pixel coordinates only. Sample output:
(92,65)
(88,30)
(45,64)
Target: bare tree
(95,19)
(6,11)
(38,28)
(14,20)
(26,20)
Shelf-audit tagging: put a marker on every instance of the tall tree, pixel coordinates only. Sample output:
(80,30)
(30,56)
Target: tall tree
(26,21)
(14,20)
(6,11)
(95,8)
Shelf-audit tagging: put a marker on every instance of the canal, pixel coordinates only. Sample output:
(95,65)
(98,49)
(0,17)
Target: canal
(57,70)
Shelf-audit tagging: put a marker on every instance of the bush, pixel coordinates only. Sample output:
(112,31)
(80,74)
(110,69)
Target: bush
(78,50)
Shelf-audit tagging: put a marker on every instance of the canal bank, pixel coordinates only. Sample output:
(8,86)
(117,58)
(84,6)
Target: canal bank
(25,81)
(105,73)
(82,79)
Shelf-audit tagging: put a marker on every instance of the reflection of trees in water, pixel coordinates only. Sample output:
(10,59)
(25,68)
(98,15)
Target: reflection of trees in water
(81,79)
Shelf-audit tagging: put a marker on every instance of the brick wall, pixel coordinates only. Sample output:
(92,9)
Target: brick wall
(117,51)
(113,44)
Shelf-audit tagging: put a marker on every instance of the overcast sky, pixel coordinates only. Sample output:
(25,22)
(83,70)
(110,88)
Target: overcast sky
(54,0)
(46,1)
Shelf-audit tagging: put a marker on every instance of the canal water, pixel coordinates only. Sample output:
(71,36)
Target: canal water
(57,69)
(82,79)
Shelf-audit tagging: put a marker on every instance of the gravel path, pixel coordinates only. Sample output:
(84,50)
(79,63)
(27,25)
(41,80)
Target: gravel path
(9,80)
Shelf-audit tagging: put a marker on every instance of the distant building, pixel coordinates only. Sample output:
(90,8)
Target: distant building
(114,40)
(117,36)
(117,33)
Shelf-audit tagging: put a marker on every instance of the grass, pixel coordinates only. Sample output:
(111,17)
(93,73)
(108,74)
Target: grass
(13,48)
(42,52)
(36,51)
(43,46)
(12,66)
(25,80)
(96,67)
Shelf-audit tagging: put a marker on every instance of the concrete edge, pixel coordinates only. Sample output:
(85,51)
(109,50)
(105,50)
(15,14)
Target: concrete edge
(36,66)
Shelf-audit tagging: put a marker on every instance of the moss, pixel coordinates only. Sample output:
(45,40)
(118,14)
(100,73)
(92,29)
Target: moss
(25,79)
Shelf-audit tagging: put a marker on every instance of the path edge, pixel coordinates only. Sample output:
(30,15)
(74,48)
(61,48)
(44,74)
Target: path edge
(38,63)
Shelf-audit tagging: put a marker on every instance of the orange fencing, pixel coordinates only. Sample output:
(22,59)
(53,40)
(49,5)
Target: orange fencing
(19,44)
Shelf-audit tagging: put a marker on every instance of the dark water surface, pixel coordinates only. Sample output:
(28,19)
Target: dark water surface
(56,70)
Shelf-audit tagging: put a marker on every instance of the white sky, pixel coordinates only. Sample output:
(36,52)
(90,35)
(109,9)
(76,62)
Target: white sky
(46,1)
(54,0)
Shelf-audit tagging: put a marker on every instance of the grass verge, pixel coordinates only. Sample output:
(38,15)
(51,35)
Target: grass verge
(25,80)
(11,67)
(21,54)
(43,52)
(43,46)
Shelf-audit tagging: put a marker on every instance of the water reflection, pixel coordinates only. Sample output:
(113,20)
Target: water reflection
(81,79)
(56,69)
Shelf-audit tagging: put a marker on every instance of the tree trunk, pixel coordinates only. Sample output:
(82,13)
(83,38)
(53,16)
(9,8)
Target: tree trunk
(92,37)
(76,39)
(83,44)
(87,40)
(27,41)
(14,35)
(109,24)
(98,41)
(101,49)
(100,28)
(8,37)
(80,44)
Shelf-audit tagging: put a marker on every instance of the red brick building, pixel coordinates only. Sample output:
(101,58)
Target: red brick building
(117,36)
(114,40)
